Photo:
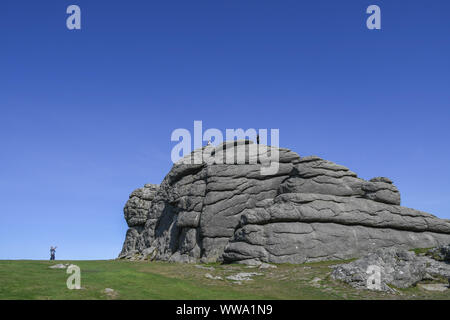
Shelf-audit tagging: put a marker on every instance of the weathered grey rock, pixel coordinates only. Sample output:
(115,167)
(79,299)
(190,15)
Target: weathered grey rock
(381,179)
(223,208)
(111,293)
(441,287)
(315,282)
(267,266)
(398,268)
(441,253)
(243,276)
(210,276)
(437,268)
(136,213)
(138,205)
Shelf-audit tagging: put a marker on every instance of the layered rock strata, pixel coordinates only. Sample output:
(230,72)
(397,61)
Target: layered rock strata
(219,204)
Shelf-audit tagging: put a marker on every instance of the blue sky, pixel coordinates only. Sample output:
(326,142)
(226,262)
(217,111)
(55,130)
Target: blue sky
(86,116)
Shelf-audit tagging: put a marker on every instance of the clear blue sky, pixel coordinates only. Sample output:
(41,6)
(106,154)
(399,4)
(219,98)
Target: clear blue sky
(86,116)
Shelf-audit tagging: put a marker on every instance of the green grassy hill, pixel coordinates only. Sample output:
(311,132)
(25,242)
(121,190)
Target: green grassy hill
(26,279)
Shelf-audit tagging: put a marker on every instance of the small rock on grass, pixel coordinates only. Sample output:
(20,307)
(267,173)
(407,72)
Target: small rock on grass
(58,266)
(110,292)
(243,276)
(315,282)
(210,276)
(267,266)
(441,287)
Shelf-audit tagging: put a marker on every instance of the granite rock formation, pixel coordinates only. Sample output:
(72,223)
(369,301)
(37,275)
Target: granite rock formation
(397,268)
(221,208)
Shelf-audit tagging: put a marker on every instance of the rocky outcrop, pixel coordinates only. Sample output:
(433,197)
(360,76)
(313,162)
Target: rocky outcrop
(440,253)
(396,268)
(219,204)
(136,212)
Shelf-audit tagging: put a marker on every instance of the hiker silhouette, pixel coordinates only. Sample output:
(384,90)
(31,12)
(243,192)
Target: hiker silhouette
(52,253)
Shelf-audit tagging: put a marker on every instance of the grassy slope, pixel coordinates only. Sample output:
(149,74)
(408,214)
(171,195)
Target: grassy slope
(159,280)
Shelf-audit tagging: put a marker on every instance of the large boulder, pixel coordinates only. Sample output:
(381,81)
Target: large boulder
(396,268)
(224,204)
(136,212)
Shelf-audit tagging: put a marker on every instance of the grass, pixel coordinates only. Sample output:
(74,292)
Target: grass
(30,279)
(420,251)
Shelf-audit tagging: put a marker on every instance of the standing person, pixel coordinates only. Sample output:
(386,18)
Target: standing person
(52,252)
